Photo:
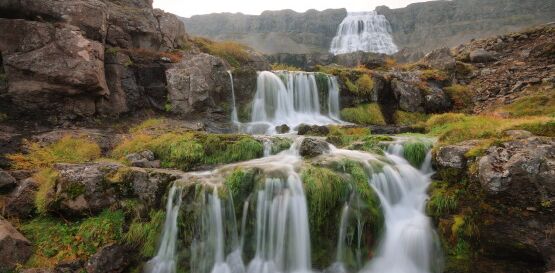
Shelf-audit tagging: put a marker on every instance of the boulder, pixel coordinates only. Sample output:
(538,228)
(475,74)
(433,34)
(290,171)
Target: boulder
(453,156)
(14,247)
(171,28)
(193,84)
(7,182)
(144,159)
(441,59)
(112,258)
(82,189)
(436,101)
(519,166)
(52,67)
(282,129)
(21,202)
(482,56)
(408,95)
(313,130)
(150,185)
(311,147)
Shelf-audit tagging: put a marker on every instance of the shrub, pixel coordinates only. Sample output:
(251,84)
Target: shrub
(366,114)
(365,85)
(460,96)
(69,149)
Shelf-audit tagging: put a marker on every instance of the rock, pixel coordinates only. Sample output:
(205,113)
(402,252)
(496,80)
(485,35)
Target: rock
(282,129)
(453,156)
(151,185)
(518,134)
(144,159)
(82,189)
(21,202)
(408,95)
(482,56)
(7,182)
(148,155)
(72,266)
(193,84)
(143,163)
(51,67)
(171,28)
(311,147)
(436,101)
(14,248)
(38,270)
(440,59)
(314,130)
(393,129)
(518,165)
(112,258)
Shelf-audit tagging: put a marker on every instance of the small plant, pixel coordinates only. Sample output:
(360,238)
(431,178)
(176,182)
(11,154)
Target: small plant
(365,84)
(47,179)
(415,152)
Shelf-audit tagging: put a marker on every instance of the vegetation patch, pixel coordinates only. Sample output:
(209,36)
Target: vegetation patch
(410,119)
(56,240)
(280,144)
(143,235)
(415,151)
(69,149)
(234,53)
(443,200)
(460,96)
(433,75)
(285,67)
(365,114)
(47,179)
(535,102)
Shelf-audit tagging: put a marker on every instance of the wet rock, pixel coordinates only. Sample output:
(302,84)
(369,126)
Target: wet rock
(313,130)
(282,129)
(311,147)
(14,247)
(453,156)
(150,185)
(7,182)
(112,258)
(21,202)
(82,189)
(482,56)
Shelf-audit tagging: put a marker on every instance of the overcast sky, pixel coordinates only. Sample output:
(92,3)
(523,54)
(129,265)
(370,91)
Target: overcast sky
(188,8)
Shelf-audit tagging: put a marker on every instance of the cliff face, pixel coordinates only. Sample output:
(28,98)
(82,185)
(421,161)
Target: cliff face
(273,31)
(421,26)
(429,25)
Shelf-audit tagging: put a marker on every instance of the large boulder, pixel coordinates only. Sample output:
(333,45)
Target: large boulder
(82,189)
(453,156)
(112,258)
(407,94)
(436,100)
(519,167)
(14,247)
(441,59)
(51,67)
(482,56)
(194,85)
(150,185)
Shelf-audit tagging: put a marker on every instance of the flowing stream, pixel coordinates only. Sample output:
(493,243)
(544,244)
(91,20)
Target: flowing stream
(363,31)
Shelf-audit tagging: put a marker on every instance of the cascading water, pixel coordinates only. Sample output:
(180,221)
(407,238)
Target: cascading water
(279,240)
(165,260)
(292,98)
(363,31)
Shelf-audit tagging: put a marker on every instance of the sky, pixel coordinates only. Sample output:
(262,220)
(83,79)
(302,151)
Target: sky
(188,8)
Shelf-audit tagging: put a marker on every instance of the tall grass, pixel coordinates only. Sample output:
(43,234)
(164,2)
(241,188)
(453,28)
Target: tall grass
(365,114)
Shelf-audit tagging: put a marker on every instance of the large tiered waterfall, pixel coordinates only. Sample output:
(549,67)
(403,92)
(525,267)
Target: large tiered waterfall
(275,230)
(293,98)
(363,31)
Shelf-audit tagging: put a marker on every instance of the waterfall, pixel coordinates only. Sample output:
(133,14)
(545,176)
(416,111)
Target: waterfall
(234,115)
(409,244)
(292,98)
(164,261)
(363,31)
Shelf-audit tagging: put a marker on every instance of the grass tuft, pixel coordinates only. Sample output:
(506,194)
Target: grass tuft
(144,235)
(366,114)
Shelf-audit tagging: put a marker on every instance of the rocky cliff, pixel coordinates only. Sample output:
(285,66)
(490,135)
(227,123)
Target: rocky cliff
(273,31)
(421,26)
(429,25)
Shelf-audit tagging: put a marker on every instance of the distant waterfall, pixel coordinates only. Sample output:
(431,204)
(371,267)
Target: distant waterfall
(364,31)
(293,98)
(234,116)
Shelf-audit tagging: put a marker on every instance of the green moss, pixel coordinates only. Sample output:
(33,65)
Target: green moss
(244,149)
(410,119)
(541,128)
(366,114)
(57,240)
(280,144)
(351,86)
(433,74)
(143,235)
(442,200)
(365,85)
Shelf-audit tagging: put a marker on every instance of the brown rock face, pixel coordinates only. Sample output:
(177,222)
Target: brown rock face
(51,67)
(14,248)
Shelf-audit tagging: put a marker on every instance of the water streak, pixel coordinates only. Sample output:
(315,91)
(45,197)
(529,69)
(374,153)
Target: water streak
(234,115)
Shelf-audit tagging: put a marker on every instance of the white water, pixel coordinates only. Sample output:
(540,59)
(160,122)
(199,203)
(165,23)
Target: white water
(291,98)
(165,259)
(363,31)
(234,115)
